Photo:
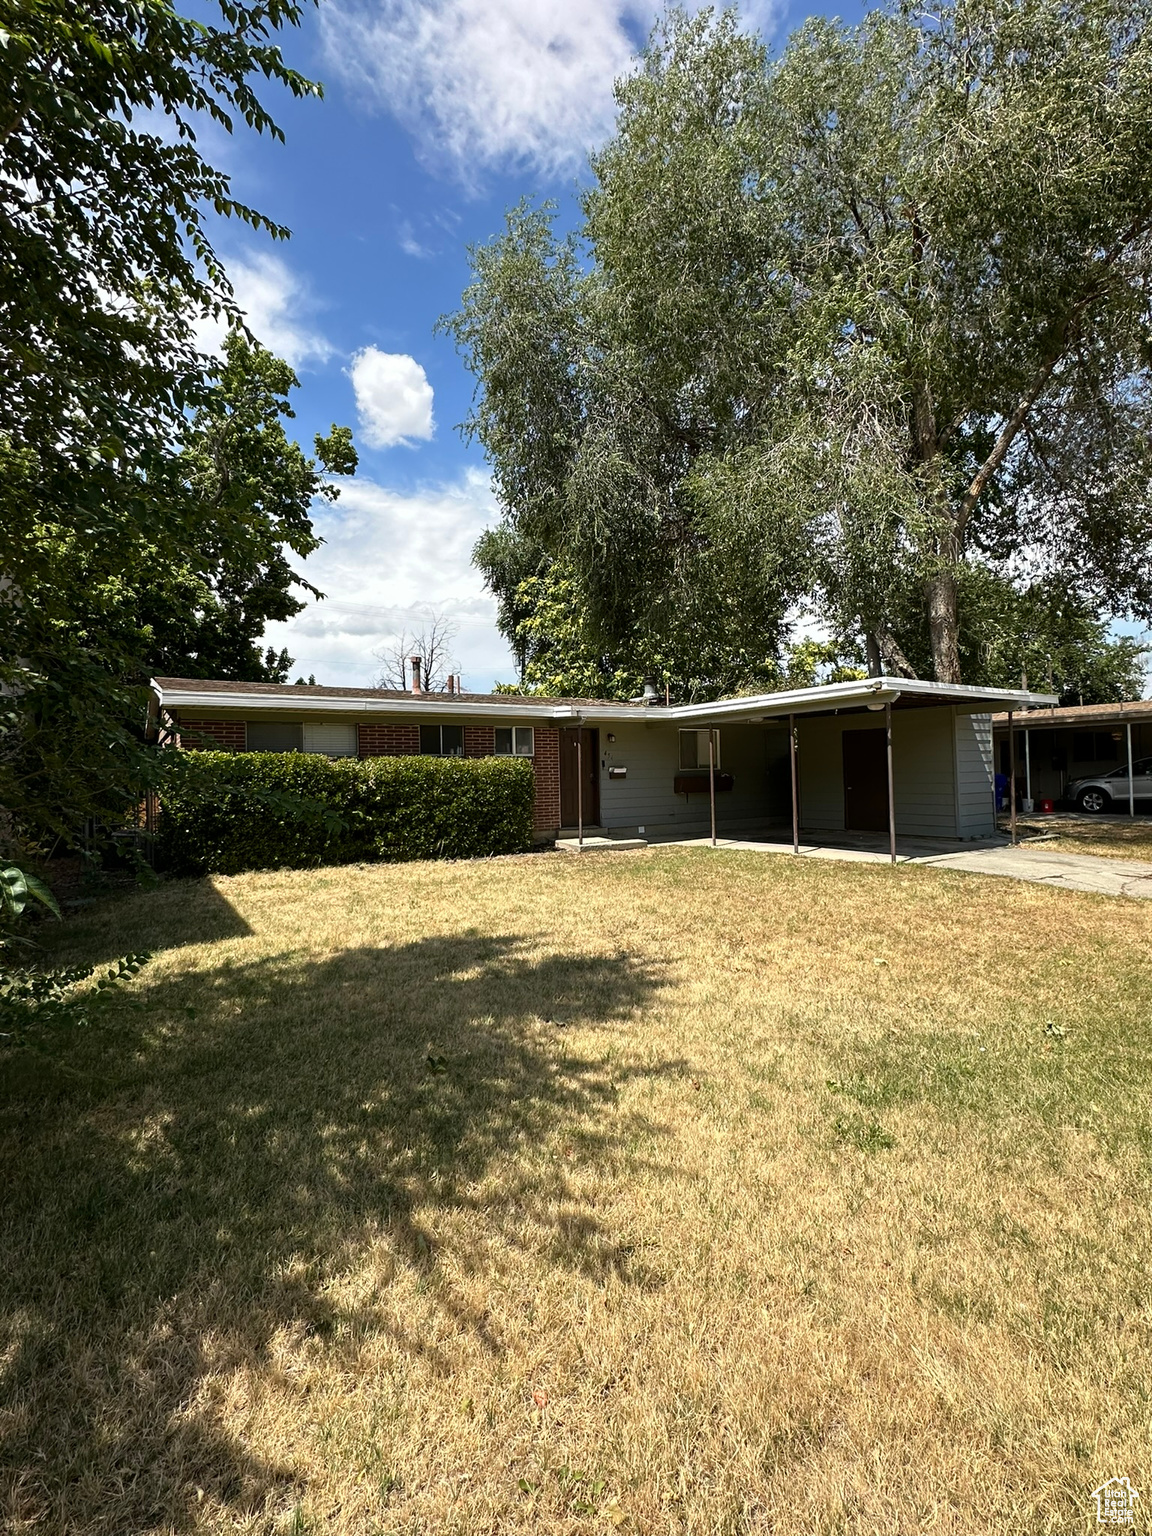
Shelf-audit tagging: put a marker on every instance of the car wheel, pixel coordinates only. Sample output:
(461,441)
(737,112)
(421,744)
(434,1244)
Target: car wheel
(1093,801)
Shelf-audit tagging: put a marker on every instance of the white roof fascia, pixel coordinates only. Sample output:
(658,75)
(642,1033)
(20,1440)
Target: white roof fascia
(849,695)
(417,704)
(873,690)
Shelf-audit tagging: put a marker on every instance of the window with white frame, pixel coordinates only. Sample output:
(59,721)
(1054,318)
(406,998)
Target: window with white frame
(694,749)
(515,741)
(442,740)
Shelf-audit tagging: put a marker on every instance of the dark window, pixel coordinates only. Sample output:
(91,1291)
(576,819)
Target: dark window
(442,740)
(694,749)
(1095,747)
(275,736)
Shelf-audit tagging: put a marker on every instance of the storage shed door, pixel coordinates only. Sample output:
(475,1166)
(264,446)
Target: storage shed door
(865,781)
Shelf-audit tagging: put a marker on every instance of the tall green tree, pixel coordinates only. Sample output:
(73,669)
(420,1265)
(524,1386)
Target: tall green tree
(204,615)
(845,325)
(106,265)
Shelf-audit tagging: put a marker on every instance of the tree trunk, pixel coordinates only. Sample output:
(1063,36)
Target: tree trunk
(895,662)
(943,598)
(944,621)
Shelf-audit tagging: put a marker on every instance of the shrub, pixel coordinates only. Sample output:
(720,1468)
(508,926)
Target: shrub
(226,812)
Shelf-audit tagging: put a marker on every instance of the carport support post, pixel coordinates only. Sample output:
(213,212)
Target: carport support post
(795,791)
(1027,763)
(1131,784)
(579,787)
(712,780)
(1012,776)
(891,782)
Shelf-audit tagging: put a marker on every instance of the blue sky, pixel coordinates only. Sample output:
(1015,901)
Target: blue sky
(438,115)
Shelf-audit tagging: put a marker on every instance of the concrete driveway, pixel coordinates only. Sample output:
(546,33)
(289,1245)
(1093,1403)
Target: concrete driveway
(1071,871)
(1029,861)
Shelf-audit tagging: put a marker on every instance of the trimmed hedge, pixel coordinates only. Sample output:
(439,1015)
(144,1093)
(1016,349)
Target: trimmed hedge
(225,812)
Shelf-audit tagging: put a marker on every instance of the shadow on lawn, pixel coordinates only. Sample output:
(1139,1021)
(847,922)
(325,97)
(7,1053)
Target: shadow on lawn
(164,1220)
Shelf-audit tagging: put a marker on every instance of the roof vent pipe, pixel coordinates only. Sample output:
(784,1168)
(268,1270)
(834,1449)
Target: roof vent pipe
(415,663)
(649,694)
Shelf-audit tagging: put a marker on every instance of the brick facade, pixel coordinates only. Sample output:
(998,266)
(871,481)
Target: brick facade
(213,735)
(546,763)
(479,740)
(388,740)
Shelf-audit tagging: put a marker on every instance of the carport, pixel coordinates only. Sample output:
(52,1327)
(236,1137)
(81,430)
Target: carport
(890,756)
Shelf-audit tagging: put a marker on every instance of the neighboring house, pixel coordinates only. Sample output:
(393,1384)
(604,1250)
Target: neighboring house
(1056,747)
(642,768)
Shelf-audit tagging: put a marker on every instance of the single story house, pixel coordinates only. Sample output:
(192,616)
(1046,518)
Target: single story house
(1055,747)
(881,754)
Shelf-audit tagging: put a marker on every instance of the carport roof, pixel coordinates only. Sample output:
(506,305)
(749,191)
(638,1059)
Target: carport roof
(1090,715)
(829,698)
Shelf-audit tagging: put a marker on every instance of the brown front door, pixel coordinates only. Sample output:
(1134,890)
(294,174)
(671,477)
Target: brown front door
(865,781)
(569,777)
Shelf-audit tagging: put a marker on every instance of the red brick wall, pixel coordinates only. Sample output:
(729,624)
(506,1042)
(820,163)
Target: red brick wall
(479,740)
(388,740)
(546,763)
(213,735)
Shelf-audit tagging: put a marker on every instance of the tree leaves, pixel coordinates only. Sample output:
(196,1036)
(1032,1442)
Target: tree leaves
(838,329)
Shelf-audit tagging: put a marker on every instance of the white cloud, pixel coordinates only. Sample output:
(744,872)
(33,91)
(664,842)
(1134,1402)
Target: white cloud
(389,559)
(393,397)
(409,244)
(480,83)
(275,303)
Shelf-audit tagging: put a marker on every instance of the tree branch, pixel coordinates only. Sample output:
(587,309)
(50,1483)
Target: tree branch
(1069,333)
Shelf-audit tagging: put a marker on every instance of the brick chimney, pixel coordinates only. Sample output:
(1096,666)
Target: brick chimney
(451,683)
(414,662)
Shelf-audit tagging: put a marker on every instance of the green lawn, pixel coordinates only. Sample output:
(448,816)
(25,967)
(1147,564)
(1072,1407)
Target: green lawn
(674,1191)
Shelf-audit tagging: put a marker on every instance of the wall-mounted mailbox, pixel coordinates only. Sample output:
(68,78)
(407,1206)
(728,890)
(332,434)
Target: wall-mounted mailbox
(697,783)
(617,773)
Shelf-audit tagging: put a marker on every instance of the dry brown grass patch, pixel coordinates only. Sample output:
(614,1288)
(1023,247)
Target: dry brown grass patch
(668,1192)
(1106,839)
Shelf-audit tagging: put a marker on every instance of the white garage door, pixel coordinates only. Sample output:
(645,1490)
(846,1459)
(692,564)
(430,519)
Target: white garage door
(332,738)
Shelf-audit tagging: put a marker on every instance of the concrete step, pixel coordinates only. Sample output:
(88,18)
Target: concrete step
(599,843)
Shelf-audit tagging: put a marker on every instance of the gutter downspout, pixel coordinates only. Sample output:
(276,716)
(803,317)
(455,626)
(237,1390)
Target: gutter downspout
(1131,782)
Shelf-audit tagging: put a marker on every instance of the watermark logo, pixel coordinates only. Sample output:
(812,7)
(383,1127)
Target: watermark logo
(1115,1502)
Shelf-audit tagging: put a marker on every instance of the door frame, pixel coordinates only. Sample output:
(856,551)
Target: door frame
(881,786)
(590,749)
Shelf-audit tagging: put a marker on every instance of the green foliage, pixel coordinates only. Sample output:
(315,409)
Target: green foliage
(33,1001)
(227,812)
(31,998)
(558,660)
(18,887)
(251,490)
(125,479)
(1048,636)
(843,326)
